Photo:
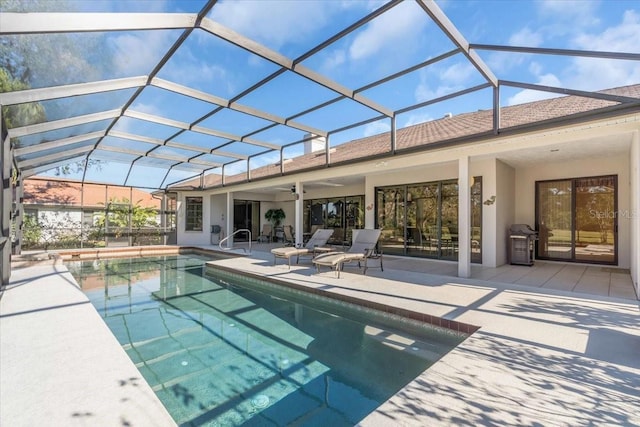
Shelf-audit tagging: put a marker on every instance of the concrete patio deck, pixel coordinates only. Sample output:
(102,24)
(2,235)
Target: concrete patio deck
(557,345)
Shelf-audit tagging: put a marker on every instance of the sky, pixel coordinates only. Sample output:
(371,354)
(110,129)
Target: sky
(399,38)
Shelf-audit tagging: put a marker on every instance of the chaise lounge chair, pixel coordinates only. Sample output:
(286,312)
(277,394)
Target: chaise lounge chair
(362,250)
(311,248)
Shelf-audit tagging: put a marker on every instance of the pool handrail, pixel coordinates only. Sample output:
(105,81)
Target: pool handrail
(246,230)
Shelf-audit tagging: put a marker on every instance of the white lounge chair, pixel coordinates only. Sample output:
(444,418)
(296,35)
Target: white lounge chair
(311,248)
(362,250)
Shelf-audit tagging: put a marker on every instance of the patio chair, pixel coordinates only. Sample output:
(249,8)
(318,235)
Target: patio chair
(314,246)
(289,239)
(267,233)
(362,250)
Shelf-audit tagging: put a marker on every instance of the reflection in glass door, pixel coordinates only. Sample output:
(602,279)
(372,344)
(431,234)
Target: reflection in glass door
(420,219)
(595,234)
(576,219)
(555,222)
(422,235)
(449,221)
(391,214)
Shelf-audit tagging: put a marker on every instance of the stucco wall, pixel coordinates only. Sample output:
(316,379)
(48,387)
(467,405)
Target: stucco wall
(525,191)
(194,237)
(486,168)
(218,215)
(634,188)
(506,202)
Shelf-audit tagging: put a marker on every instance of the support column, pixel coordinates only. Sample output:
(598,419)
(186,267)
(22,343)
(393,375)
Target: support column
(229,223)
(464,218)
(299,209)
(634,215)
(369,205)
(5,207)
(19,218)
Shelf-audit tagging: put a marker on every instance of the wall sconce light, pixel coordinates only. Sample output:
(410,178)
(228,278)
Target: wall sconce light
(491,200)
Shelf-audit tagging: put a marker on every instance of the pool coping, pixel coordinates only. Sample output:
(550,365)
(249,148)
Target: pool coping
(439,322)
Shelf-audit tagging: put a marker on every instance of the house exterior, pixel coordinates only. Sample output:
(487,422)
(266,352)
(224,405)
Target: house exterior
(85,213)
(451,189)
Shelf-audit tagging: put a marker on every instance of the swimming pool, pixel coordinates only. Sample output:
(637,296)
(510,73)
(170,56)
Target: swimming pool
(219,350)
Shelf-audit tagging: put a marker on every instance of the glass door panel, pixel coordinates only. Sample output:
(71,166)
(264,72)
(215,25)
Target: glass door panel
(391,214)
(422,213)
(334,220)
(555,220)
(476,220)
(317,215)
(449,221)
(429,220)
(354,215)
(240,219)
(254,219)
(595,219)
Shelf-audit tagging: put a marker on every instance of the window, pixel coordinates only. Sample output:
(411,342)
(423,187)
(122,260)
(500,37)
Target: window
(193,214)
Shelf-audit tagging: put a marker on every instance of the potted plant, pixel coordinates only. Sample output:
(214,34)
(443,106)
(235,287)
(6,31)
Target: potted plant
(275,216)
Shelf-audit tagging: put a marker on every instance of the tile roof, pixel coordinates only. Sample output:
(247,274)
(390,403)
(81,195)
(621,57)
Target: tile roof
(56,192)
(444,129)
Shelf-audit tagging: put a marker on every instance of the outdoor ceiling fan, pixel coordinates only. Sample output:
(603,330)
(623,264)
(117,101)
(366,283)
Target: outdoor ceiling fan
(291,189)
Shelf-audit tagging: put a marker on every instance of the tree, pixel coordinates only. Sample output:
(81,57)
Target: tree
(275,216)
(142,217)
(31,232)
(42,60)
(120,214)
(23,114)
(51,59)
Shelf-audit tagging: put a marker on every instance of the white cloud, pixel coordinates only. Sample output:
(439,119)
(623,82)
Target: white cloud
(417,118)
(623,37)
(376,128)
(137,53)
(335,59)
(458,73)
(568,16)
(595,74)
(390,30)
(589,73)
(526,37)
(502,62)
(191,72)
(535,68)
(148,109)
(273,22)
(529,95)
(448,80)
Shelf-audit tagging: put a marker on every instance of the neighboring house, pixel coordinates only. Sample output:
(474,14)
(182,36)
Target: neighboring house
(73,208)
(567,166)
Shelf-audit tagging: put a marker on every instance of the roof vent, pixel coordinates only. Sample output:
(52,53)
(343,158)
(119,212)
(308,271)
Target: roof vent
(447,116)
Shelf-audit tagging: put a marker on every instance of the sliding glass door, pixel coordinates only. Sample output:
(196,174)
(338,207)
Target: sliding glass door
(576,219)
(342,214)
(246,215)
(422,219)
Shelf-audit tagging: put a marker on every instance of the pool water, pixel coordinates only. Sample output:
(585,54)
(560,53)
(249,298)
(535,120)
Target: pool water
(221,352)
